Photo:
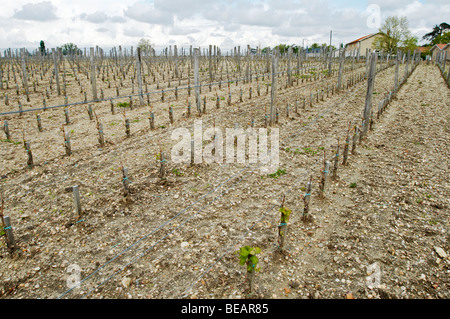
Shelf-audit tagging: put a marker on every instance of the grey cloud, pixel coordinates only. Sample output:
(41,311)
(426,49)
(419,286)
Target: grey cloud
(184,9)
(133,32)
(96,17)
(148,13)
(182,31)
(118,19)
(232,27)
(102,30)
(42,11)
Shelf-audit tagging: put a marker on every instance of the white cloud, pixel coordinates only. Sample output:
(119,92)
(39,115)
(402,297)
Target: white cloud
(133,32)
(42,11)
(148,13)
(96,17)
(202,22)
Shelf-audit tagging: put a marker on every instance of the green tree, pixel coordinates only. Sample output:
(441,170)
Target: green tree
(443,38)
(70,48)
(145,45)
(438,30)
(283,48)
(410,44)
(395,34)
(42,47)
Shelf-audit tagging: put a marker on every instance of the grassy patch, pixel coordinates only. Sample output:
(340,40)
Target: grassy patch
(277,174)
(10,141)
(177,172)
(123,104)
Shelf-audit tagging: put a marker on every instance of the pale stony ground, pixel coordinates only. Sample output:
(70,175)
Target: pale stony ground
(394,218)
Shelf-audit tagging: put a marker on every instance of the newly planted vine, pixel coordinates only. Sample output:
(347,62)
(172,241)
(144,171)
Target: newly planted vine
(282,228)
(247,256)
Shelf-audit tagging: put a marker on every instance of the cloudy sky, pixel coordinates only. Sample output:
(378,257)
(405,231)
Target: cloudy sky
(107,23)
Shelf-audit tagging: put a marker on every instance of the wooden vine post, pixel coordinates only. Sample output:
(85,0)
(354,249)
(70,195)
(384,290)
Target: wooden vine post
(336,161)
(67,144)
(90,112)
(30,155)
(341,68)
(127,125)
(325,172)
(101,136)
(125,181)
(346,148)
(171,114)
(10,242)
(196,80)
(306,199)
(355,140)
(188,112)
(152,119)
(162,168)
(6,228)
(66,114)
(397,63)
(273,92)
(56,70)
(77,201)
(6,129)
(93,77)
(139,76)
(368,103)
(112,107)
(39,122)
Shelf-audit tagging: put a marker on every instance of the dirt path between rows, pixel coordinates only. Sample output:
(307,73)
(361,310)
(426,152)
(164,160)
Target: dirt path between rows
(384,226)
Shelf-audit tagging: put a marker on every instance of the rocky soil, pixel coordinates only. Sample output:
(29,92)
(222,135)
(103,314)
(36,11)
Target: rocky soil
(381,231)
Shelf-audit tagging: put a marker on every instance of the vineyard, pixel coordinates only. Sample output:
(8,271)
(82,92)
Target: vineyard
(93,206)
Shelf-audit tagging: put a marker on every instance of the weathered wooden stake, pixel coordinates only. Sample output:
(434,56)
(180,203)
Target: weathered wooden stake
(93,77)
(77,201)
(188,114)
(39,123)
(204,104)
(6,129)
(196,79)
(325,172)
(336,161)
(192,153)
(10,242)
(162,168)
(66,113)
(152,120)
(306,200)
(90,112)
(171,114)
(127,127)
(67,144)
(368,104)
(101,137)
(341,69)
(112,107)
(273,92)
(30,155)
(346,148)
(355,140)
(125,181)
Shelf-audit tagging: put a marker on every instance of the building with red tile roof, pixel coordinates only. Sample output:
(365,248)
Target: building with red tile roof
(363,43)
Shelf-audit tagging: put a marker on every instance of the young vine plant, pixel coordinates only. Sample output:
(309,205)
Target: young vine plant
(247,255)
